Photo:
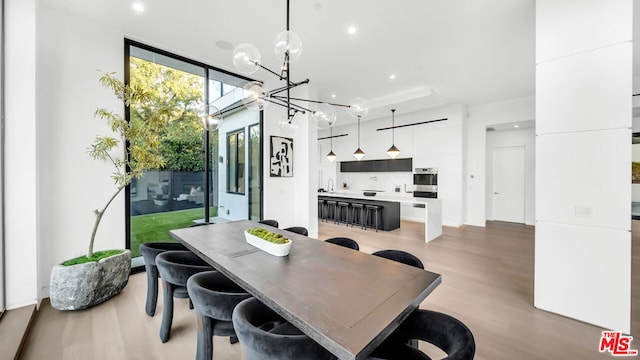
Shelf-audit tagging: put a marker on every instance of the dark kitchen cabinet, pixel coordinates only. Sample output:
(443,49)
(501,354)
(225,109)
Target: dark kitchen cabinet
(349,166)
(377,165)
(400,165)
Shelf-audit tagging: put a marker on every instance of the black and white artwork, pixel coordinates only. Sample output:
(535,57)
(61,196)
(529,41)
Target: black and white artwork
(281,163)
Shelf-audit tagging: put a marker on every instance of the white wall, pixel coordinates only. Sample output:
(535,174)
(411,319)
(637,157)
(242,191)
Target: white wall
(583,121)
(437,145)
(22,218)
(292,200)
(70,183)
(234,206)
(522,137)
(479,117)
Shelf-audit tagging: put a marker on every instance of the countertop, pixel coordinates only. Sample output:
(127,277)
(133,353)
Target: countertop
(404,198)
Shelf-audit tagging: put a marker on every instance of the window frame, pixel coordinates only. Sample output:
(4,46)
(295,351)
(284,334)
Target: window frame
(238,169)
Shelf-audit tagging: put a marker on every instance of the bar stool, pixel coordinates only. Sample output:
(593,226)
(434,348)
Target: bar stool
(357,210)
(343,212)
(321,207)
(331,209)
(372,210)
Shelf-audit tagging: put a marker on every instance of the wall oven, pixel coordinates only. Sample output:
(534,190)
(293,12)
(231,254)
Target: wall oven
(425,183)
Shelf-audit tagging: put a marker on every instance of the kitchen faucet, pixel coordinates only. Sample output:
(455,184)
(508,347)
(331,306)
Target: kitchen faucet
(330,185)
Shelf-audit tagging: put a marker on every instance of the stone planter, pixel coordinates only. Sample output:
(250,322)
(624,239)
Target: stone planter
(82,286)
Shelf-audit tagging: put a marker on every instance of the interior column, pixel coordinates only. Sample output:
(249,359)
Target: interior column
(583,160)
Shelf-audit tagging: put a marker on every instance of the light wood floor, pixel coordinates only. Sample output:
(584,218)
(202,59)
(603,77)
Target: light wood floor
(487,283)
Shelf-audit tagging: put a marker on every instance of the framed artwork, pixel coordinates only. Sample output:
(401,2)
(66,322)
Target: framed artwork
(281,159)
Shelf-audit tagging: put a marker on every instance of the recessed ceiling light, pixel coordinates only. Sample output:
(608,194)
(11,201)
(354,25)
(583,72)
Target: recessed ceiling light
(516,126)
(352,29)
(138,6)
(333,95)
(392,76)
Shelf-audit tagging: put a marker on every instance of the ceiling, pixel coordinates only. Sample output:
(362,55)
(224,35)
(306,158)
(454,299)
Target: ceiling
(441,52)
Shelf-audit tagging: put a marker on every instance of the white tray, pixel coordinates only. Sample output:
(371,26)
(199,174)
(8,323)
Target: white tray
(269,247)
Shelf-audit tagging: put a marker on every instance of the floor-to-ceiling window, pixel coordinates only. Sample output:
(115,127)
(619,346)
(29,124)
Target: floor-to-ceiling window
(175,195)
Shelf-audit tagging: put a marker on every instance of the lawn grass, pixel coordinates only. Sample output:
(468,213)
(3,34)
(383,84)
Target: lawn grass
(155,227)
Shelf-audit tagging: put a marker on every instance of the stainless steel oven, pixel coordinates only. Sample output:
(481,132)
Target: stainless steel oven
(425,183)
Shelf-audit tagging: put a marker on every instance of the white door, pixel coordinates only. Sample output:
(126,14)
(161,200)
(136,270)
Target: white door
(508,184)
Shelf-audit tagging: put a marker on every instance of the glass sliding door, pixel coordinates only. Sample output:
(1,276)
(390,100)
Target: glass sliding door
(175,195)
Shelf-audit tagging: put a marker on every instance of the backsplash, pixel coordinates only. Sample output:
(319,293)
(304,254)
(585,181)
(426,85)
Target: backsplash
(385,181)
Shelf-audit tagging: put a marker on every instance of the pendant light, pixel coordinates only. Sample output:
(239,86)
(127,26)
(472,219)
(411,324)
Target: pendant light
(393,150)
(358,154)
(255,96)
(331,155)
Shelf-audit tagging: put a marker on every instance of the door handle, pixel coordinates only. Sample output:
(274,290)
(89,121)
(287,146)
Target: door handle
(496,193)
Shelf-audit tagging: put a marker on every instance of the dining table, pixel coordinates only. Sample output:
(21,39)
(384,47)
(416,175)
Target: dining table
(346,300)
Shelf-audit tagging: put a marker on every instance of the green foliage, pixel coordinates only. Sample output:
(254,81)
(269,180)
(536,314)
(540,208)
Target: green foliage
(267,235)
(176,96)
(143,136)
(95,257)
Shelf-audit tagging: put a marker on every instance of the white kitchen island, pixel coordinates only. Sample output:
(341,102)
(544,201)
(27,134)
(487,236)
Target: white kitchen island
(432,213)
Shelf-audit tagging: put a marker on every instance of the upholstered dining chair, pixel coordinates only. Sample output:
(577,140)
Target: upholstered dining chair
(298,230)
(444,331)
(343,241)
(214,297)
(149,251)
(269,222)
(175,268)
(400,256)
(267,336)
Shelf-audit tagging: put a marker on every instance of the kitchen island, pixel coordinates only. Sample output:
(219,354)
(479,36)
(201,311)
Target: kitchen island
(432,213)
(389,210)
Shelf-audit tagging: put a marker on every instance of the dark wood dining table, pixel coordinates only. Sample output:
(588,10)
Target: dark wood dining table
(348,301)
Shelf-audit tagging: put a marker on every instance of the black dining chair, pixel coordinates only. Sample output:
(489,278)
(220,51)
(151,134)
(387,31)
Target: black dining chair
(267,336)
(214,297)
(298,230)
(343,241)
(405,258)
(175,268)
(444,331)
(400,256)
(269,222)
(149,251)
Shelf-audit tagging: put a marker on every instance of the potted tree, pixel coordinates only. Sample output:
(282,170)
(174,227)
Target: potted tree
(88,280)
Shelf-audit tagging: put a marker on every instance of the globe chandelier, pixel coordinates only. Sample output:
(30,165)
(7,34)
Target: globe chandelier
(288,49)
